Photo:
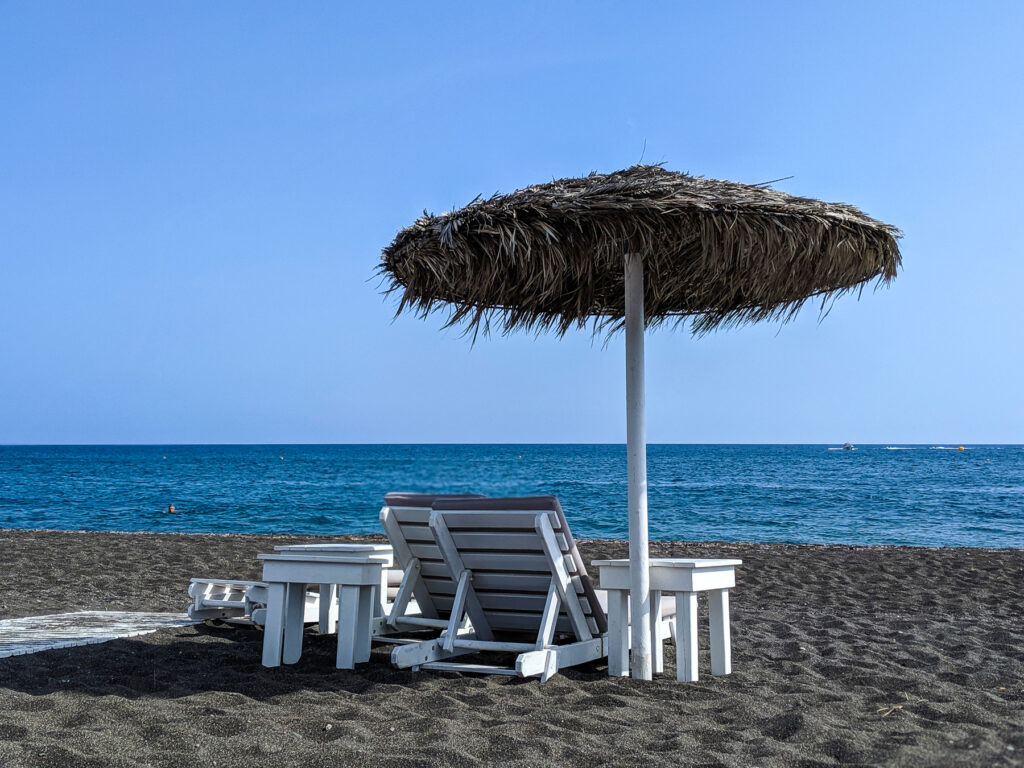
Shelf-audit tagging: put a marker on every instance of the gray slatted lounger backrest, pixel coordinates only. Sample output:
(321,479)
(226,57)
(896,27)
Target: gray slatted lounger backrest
(407,524)
(498,541)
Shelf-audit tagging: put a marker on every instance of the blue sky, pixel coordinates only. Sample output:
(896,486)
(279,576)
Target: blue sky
(193,199)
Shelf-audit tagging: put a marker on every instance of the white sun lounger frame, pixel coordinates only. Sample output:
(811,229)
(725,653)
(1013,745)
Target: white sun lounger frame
(242,602)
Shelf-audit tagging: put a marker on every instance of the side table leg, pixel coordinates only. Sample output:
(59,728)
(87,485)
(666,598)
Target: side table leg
(348,623)
(721,645)
(367,595)
(686,637)
(328,609)
(618,633)
(273,631)
(657,648)
(333,616)
(294,613)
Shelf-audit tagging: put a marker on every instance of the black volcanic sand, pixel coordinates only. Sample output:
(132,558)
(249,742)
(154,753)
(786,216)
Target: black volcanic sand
(842,655)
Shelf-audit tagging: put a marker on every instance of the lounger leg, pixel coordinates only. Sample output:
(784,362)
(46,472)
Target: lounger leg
(686,637)
(295,609)
(273,632)
(348,624)
(367,596)
(721,646)
(618,633)
(657,648)
(328,609)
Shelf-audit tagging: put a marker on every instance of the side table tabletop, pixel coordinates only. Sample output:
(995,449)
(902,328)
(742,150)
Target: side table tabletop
(287,573)
(683,577)
(329,592)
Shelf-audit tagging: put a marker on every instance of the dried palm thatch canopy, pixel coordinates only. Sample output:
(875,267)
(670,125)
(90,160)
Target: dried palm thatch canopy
(718,252)
(632,249)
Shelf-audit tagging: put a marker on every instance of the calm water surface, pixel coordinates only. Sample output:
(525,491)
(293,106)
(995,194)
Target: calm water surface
(784,493)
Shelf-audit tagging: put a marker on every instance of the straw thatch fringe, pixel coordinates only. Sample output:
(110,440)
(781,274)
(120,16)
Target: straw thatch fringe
(550,257)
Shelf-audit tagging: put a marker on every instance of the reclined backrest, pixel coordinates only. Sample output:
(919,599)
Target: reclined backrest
(498,540)
(406,518)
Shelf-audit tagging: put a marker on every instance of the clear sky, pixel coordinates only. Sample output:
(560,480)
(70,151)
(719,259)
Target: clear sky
(193,199)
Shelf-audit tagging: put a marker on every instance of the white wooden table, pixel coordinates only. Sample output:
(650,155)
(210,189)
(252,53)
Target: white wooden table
(357,576)
(683,577)
(329,592)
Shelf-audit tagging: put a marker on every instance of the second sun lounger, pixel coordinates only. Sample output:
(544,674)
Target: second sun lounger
(515,583)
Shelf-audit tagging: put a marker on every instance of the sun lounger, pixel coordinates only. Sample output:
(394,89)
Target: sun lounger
(511,581)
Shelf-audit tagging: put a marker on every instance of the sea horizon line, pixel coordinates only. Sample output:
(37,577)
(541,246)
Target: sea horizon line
(935,443)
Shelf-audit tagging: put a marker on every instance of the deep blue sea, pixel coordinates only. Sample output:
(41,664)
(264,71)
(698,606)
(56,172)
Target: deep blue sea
(916,495)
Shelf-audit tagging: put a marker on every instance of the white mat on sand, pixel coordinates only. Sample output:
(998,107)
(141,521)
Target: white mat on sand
(61,630)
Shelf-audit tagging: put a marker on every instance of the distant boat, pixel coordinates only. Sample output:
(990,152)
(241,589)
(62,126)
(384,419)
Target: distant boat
(848,447)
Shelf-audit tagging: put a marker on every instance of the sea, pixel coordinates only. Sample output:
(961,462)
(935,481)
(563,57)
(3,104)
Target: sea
(917,495)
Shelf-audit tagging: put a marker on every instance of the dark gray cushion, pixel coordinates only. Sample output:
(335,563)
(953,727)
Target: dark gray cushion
(424,499)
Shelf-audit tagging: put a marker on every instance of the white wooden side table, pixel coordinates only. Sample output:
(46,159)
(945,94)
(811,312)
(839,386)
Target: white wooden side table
(287,574)
(683,577)
(329,592)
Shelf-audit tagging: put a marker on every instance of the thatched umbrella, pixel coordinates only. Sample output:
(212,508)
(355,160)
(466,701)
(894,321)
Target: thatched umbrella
(574,252)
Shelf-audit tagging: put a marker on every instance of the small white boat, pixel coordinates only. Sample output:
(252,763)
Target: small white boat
(848,447)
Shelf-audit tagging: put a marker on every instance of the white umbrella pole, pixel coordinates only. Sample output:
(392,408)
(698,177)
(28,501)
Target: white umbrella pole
(636,465)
